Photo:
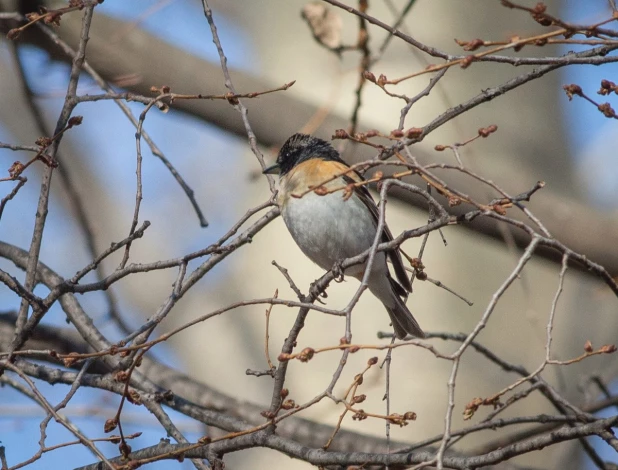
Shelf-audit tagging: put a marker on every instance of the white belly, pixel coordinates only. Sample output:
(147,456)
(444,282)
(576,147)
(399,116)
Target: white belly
(329,229)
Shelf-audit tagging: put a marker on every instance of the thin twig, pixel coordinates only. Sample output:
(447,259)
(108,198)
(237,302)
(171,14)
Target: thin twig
(20,182)
(230,86)
(42,207)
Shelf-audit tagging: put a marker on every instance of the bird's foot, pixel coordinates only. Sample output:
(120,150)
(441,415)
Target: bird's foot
(317,292)
(337,270)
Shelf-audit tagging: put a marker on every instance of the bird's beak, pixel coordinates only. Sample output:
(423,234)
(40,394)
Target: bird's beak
(273,169)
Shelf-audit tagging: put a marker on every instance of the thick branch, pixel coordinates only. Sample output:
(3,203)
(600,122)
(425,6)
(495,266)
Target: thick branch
(322,457)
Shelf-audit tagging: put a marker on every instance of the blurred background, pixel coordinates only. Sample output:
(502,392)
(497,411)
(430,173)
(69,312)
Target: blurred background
(542,136)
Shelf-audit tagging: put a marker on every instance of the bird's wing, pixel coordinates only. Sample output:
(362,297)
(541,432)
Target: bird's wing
(395,255)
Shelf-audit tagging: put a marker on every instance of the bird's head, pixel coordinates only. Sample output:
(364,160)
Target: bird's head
(300,148)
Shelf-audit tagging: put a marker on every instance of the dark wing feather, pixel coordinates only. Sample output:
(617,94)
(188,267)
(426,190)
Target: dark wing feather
(394,255)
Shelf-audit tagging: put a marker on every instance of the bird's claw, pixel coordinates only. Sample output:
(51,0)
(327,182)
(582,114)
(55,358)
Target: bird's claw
(316,292)
(337,270)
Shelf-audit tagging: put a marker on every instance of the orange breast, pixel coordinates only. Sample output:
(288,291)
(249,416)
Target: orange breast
(313,173)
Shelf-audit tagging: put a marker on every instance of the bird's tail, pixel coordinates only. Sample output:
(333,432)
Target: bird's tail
(403,322)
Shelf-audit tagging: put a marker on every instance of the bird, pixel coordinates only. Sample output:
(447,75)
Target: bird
(330,225)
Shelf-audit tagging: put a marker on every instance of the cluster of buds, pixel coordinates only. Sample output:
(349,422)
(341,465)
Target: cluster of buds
(359,398)
(411,133)
(74,121)
(306,354)
(134,397)
(48,17)
(605,349)
(121,376)
(364,136)
(15,170)
(469,46)
(401,420)
(487,131)
(289,403)
(466,61)
(380,81)
(342,134)
(500,209)
(125,449)
(607,87)
(162,90)
(454,201)
(472,408)
(71,359)
(572,90)
(539,15)
(110,425)
(476,403)
(607,110)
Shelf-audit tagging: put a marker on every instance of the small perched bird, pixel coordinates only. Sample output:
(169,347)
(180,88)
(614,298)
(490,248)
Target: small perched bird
(331,227)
